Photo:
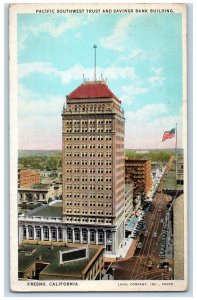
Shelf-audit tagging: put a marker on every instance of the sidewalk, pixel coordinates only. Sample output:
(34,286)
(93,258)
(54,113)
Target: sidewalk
(126,250)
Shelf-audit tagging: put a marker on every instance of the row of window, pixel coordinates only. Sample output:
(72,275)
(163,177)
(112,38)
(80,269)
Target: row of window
(84,122)
(87,146)
(88,138)
(91,196)
(91,171)
(86,212)
(90,163)
(88,154)
(89,220)
(72,235)
(106,179)
(87,130)
(90,187)
(89,108)
(78,203)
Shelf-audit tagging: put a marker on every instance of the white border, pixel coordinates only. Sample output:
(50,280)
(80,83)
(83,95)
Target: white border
(88,1)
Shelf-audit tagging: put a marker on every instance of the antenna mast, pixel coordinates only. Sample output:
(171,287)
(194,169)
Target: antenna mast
(95,46)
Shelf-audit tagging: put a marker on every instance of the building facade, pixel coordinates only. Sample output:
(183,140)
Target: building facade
(138,171)
(93,166)
(39,193)
(28,177)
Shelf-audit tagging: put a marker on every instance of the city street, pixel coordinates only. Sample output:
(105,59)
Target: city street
(154,242)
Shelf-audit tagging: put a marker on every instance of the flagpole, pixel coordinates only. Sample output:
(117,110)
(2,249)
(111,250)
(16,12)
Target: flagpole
(176,140)
(176,150)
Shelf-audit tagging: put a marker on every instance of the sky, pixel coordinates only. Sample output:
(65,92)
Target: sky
(139,54)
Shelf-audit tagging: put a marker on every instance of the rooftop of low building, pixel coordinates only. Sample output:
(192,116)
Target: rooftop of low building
(170,182)
(29,254)
(54,210)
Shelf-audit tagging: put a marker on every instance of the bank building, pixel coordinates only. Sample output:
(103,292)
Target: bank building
(93,166)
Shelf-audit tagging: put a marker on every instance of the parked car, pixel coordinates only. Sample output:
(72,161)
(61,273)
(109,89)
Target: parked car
(163,265)
(154,234)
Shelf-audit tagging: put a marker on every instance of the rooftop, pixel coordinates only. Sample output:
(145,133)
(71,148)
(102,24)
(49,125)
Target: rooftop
(136,159)
(40,187)
(30,254)
(54,210)
(92,89)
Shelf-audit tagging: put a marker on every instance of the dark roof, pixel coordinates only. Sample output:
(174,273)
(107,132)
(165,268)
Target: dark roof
(52,256)
(92,89)
(54,210)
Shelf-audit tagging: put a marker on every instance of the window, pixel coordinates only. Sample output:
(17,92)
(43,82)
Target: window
(24,232)
(53,234)
(77,235)
(84,235)
(100,237)
(92,236)
(46,233)
(31,232)
(60,233)
(69,235)
(38,233)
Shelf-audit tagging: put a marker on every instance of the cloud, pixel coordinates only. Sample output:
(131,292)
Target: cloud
(39,120)
(27,69)
(157,78)
(150,123)
(140,54)
(134,54)
(75,72)
(54,27)
(146,112)
(116,39)
(130,91)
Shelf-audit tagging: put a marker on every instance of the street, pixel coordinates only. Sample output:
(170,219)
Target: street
(154,242)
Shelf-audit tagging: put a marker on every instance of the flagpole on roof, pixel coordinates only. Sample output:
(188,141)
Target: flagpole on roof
(176,140)
(95,46)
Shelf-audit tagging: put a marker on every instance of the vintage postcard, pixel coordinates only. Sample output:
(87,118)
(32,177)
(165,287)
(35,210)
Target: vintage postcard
(98,135)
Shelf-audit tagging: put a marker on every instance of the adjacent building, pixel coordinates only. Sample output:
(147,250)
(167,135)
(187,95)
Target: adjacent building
(180,170)
(38,194)
(129,202)
(138,171)
(28,177)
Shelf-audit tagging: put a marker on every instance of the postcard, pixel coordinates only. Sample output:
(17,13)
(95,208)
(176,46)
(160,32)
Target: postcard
(98,147)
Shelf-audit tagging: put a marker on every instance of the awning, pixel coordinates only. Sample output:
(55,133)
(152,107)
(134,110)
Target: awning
(130,226)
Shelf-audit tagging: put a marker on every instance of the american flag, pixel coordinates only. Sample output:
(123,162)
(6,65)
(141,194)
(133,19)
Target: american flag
(168,134)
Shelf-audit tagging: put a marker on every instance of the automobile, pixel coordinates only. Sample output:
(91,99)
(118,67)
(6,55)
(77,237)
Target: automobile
(150,264)
(139,245)
(163,265)
(154,234)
